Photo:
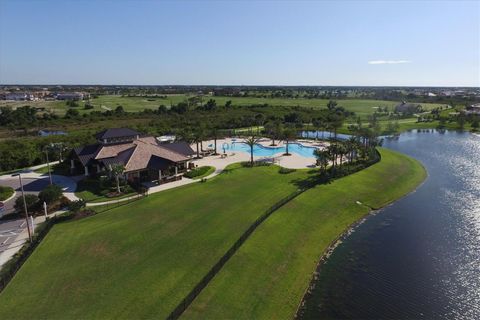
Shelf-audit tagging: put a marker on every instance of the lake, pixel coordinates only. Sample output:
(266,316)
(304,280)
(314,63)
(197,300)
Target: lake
(419,257)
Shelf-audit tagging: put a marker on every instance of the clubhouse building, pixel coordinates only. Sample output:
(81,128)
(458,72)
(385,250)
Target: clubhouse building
(144,158)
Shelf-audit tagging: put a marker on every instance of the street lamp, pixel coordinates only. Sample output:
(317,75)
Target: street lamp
(24,205)
(48,165)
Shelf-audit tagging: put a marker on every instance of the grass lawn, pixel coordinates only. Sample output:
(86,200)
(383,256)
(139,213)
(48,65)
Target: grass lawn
(267,277)
(91,191)
(6,192)
(361,107)
(141,259)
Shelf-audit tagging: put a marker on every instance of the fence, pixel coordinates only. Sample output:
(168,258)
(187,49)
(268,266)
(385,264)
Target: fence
(112,204)
(177,312)
(183,305)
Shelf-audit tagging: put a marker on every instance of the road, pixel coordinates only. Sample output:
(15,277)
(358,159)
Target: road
(30,186)
(9,230)
(33,183)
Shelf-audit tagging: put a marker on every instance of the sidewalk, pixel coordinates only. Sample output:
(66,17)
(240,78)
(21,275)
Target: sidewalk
(18,243)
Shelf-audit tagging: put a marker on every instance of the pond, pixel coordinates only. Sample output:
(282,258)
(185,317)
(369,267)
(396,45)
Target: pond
(419,257)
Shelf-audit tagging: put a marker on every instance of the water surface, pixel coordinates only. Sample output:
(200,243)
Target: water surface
(420,257)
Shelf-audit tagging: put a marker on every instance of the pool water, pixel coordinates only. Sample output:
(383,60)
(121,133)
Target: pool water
(261,151)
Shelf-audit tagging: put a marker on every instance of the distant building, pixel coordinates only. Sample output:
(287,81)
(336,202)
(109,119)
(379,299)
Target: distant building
(473,109)
(46,133)
(70,96)
(19,96)
(408,108)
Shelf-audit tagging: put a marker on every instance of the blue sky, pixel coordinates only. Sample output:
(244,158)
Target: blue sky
(429,43)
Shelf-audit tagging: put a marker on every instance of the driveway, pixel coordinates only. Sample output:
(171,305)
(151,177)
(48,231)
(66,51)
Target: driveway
(33,183)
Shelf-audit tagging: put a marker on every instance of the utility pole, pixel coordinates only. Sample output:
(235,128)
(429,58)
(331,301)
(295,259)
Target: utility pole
(48,166)
(25,206)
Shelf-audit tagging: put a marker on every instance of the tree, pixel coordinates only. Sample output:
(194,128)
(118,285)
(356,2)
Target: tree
(351,146)
(50,194)
(274,130)
(259,120)
(119,110)
(77,205)
(476,123)
(71,114)
(318,123)
(30,199)
(288,134)
(251,142)
(117,170)
(198,136)
(331,105)
(322,158)
(214,134)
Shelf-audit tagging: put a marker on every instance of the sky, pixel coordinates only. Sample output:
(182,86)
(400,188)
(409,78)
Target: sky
(357,43)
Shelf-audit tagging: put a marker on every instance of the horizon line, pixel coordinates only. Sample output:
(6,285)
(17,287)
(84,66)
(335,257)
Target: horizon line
(241,85)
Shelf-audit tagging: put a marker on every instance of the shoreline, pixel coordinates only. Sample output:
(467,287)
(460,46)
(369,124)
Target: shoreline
(328,251)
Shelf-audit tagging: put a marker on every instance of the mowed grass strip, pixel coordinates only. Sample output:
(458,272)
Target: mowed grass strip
(141,259)
(267,277)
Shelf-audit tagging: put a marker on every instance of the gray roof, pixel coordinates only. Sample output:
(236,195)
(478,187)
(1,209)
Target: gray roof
(116,133)
(179,147)
(86,153)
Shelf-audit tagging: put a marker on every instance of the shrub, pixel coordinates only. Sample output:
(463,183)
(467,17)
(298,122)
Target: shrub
(5,192)
(50,194)
(247,164)
(283,170)
(77,205)
(197,172)
(30,199)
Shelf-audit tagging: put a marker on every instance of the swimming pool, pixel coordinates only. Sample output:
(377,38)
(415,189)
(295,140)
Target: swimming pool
(261,151)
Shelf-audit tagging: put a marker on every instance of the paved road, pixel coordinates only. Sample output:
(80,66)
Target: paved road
(30,185)
(34,183)
(9,230)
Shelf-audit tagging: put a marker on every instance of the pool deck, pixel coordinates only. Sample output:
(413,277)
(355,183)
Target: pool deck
(294,161)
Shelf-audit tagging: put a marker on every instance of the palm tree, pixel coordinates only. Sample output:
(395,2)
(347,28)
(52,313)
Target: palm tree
(288,133)
(322,158)
(214,134)
(251,142)
(117,171)
(198,136)
(259,120)
(342,150)
(269,128)
(317,124)
(350,146)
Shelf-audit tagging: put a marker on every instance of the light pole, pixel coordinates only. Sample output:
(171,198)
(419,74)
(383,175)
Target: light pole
(48,166)
(24,205)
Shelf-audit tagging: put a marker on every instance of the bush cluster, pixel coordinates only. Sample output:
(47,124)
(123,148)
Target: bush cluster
(283,170)
(197,172)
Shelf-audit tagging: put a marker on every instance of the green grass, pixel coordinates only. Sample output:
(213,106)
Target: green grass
(6,192)
(200,172)
(267,277)
(361,107)
(90,190)
(141,259)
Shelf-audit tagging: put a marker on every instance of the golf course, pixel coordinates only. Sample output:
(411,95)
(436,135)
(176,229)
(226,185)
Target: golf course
(362,107)
(141,259)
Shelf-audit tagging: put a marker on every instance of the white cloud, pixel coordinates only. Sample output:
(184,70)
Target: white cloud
(388,61)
